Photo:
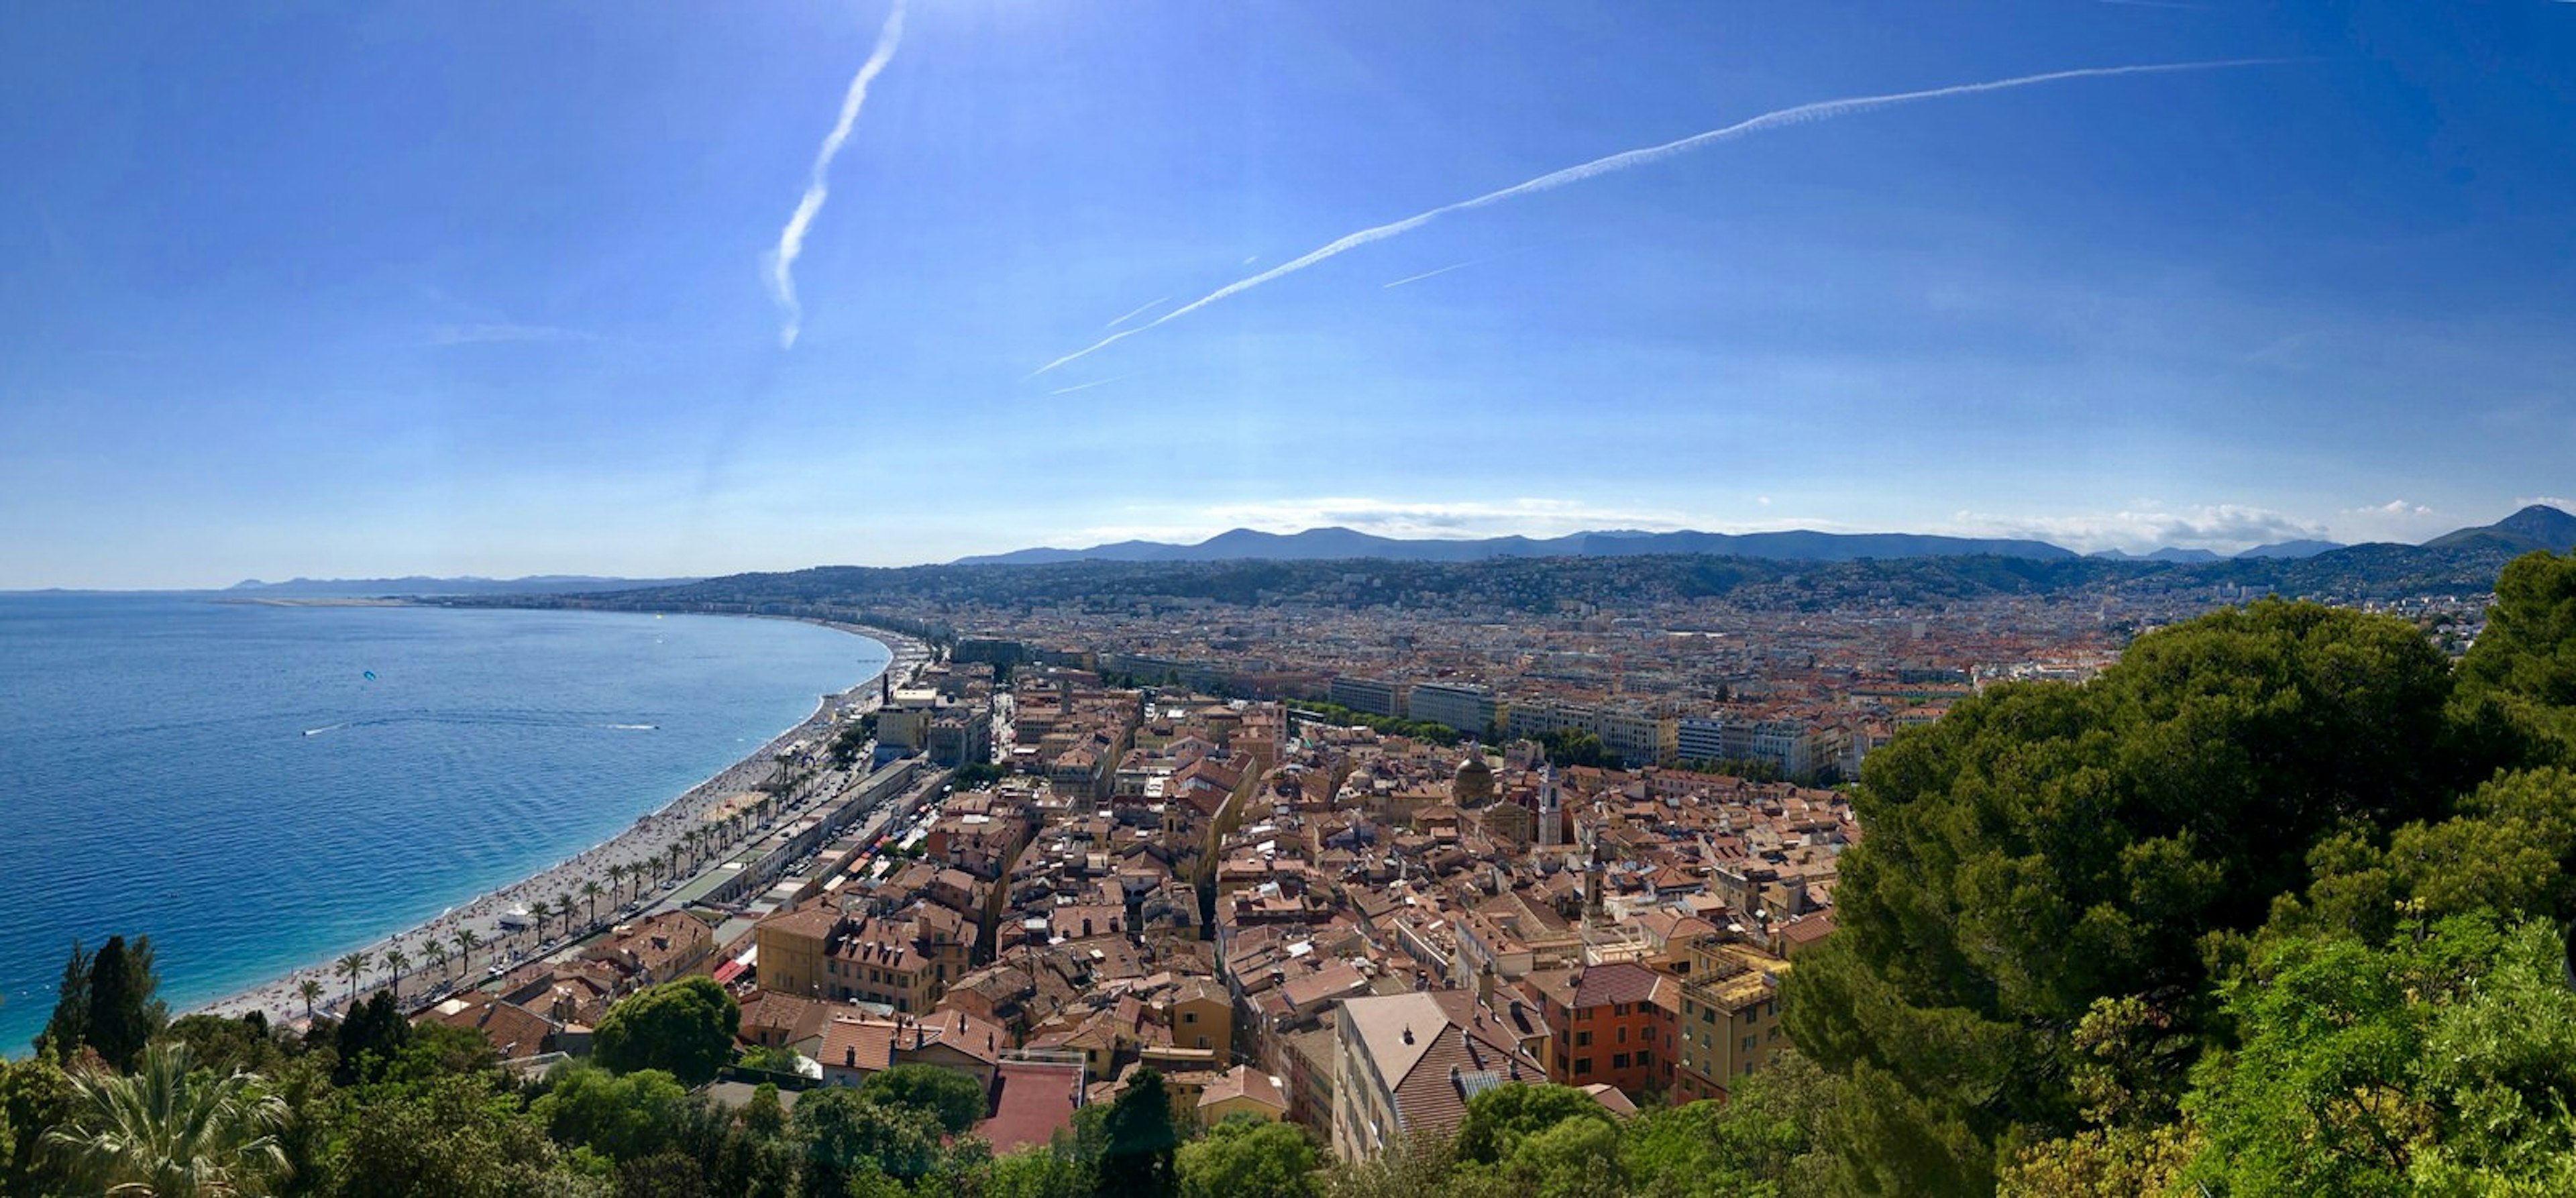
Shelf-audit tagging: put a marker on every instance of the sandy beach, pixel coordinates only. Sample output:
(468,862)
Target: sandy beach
(651,839)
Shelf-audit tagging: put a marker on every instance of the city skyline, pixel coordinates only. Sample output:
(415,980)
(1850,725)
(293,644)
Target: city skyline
(507,291)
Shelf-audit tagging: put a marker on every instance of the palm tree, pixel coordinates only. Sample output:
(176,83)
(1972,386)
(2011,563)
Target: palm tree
(352,967)
(466,941)
(438,957)
(590,891)
(310,989)
(396,961)
(541,909)
(617,879)
(160,1133)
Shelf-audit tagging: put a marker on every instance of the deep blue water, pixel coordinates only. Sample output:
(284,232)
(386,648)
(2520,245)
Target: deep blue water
(227,779)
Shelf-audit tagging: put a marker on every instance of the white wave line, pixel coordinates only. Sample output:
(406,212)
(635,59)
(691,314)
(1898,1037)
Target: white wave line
(1798,115)
(1141,309)
(791,239)
(1433,274)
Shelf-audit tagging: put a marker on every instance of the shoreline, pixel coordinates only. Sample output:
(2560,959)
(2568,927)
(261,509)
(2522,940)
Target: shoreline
(653,836)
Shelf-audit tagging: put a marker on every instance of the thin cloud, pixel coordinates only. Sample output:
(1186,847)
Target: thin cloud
(791,239)
(2561,503)
(1433,274)
(1781,118)
(1533,517)
(483,334)
(1115,378)
(1141,309)
(2224,527)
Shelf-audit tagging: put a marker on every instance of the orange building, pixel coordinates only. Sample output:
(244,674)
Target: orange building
(1606,1025)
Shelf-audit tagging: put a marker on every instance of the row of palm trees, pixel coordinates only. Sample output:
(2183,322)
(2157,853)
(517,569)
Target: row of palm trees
(628,882)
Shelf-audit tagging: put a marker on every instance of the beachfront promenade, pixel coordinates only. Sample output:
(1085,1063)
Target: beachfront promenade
(683,851)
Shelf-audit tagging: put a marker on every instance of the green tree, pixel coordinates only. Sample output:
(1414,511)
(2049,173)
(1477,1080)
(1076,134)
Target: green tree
(227,1045)
(369,1039)
(309,990)
(1575,1158)
(668,1173)
(123,1014)
(622,1117)
(847,1137)
(685,1028)
(162,1133)
(1250,1157)
(68,1029)
(1143,1138)
(764,1115)
(35,1097)
(1041,1172)
(2529,646)
(2047,845)
(2442,1062)
(452,1137)
(354,967)
(955,1099)
(396,963)
(1498,1119)
(1768,1136)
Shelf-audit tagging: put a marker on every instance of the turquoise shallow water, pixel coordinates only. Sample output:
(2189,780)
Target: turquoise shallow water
(227,779)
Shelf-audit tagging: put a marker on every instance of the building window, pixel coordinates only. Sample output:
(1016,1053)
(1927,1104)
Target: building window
(1645,1059)
(1618,1060)
(1189,1017)
(1583,1039)
(1583,1066)
(1749,1042)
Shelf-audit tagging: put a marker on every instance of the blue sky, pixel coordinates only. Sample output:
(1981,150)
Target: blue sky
(343,290)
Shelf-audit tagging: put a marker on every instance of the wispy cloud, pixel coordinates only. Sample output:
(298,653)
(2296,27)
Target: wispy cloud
(2225,527)
(1781,118)
(1535,517)
(2561,503)
(791,239)
(1094,383)
(1141,309)
(1433,274)
(478,334)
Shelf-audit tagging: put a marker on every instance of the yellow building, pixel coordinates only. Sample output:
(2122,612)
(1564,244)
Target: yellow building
(1730,1015)
(1203,1018)
(792,946)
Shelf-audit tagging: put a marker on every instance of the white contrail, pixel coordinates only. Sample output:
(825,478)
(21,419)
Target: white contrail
(1141,309)
(1433,274)
(791,240)
(1799,115)
(1093,383)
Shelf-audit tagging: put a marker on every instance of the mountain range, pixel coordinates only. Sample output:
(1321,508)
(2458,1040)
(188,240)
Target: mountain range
(2535,527)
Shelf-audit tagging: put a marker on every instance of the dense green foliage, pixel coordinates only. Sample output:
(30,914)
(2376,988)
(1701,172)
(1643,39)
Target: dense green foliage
(684,1028)
(955,1100)
(106,1002)
(1246,1156)
(2086,940)
(1422,730)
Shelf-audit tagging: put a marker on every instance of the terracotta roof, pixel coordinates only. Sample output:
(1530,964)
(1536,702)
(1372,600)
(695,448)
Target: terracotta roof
(1031,1102)
(1243,1081)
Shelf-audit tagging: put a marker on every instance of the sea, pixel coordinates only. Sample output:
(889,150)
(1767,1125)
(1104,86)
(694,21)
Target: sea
(260,788)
